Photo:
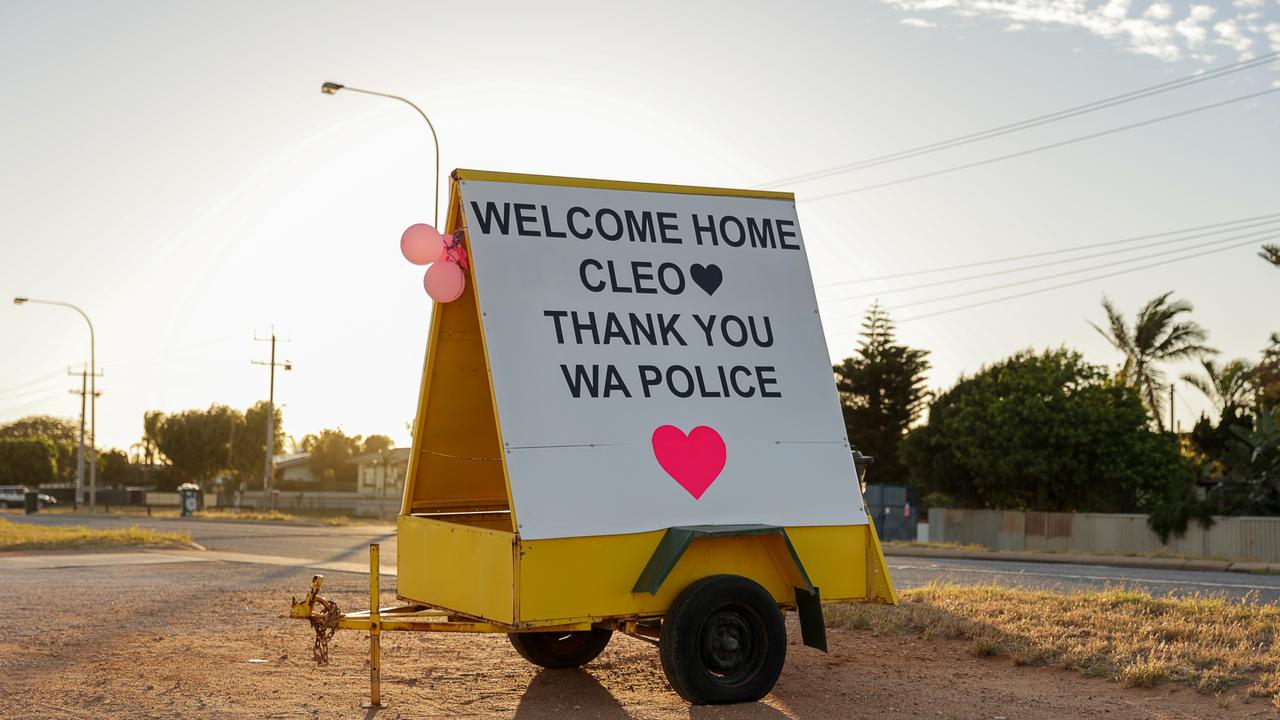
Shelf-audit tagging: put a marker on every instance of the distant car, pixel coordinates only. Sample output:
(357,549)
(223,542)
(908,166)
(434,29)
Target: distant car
(12,496)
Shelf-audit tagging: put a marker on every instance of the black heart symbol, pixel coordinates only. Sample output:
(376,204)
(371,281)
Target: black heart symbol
(708,277)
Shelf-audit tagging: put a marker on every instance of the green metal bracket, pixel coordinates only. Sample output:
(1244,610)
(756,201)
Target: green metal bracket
(678,539)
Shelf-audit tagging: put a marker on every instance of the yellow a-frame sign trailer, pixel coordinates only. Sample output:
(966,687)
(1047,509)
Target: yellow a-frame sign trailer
(627,423)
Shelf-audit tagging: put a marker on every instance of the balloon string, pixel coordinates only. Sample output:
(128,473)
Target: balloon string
(454,250)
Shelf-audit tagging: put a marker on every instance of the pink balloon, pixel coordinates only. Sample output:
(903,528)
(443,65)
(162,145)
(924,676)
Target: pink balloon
(444,282)
(422,244)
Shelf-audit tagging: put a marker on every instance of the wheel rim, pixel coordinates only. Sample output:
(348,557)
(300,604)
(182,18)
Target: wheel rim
(732,644)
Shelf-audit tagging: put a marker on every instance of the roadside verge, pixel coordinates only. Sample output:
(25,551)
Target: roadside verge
(1122,561)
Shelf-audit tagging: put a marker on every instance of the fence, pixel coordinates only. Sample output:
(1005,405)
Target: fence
(1255,539)
(894,516)
(338,501)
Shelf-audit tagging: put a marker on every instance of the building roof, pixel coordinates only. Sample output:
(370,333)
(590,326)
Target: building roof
(398,455)
(292,460)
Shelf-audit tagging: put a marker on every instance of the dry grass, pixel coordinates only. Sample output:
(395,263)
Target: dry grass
(21,536)
(319,517)
(1131,637)
(936,545)
(273,515)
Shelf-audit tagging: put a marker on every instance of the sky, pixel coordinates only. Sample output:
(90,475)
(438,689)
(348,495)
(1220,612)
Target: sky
(173,169)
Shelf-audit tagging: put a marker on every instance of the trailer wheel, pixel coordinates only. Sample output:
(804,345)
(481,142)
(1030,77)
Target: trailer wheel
(560,649)
(723,641)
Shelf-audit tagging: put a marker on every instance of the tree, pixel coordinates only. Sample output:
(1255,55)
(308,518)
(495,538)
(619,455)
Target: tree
(1270,253)
(63,434)
(249,439)
(1157,336)
(1229,387)
(1250,484)
(377,444)
(1239,456)
(196,442)
(330,451)
(1049,432)
(28,461)
(882,392)
(1266,377)
(114,469)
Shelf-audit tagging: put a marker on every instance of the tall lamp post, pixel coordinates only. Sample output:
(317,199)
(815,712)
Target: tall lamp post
(331,88)
(93,396)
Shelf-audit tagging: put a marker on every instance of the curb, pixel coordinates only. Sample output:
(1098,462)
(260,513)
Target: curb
(230,519)
(1120,561)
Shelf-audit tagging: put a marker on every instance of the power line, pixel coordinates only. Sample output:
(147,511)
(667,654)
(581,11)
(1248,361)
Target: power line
(1037,121)
(1072,283)
(1271,228)
(1041,148)
(35,402)
(1265,235)
(1045,253)
(29,383)
(17,395)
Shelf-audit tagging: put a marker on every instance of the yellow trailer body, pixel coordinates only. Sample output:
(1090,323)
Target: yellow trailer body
(459,549)
(495,576)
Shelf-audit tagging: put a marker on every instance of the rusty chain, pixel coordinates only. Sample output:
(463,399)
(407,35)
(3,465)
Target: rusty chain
(325,624)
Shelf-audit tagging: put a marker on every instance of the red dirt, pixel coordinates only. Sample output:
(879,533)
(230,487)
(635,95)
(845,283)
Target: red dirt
(177,641)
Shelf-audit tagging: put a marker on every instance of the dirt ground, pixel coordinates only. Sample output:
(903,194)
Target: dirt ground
(210,640)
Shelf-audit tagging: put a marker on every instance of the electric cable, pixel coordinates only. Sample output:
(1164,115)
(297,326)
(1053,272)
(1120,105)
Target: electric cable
(1070,284)
(1045,253)
(1258,236)
(1041,148)
(1269,228)
(1037,121)
(29,383)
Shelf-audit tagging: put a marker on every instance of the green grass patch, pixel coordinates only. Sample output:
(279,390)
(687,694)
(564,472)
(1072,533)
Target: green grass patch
(23,536)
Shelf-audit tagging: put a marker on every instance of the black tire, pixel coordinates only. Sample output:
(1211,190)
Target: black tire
(723,641)
(560,649)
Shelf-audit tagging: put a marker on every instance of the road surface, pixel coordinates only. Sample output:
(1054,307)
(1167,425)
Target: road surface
(351,544)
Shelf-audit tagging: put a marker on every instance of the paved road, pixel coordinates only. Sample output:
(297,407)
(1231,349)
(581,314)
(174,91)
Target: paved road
(351,543)
(908,572)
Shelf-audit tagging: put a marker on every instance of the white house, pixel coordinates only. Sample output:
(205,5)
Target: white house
(380,475)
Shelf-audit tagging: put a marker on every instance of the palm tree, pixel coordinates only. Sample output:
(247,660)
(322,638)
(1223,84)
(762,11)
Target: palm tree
(1271,253)
(1228,387)
(1157,336)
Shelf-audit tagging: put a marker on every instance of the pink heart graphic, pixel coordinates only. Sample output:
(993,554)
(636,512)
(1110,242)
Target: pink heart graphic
(694,460)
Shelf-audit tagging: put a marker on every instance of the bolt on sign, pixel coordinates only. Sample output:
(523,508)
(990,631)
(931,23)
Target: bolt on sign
(655,357)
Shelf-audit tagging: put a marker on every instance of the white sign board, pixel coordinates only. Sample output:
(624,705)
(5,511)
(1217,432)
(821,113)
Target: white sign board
(657,360)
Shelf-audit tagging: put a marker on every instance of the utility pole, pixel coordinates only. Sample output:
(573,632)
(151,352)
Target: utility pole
(269,464)
(1172,424)
(83,392)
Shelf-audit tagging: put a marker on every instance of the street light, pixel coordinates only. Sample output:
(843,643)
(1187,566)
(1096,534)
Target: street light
(93,397)
(332,88)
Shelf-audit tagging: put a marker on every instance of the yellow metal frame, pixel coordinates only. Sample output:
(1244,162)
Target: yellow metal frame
(459,549)
(523,179)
